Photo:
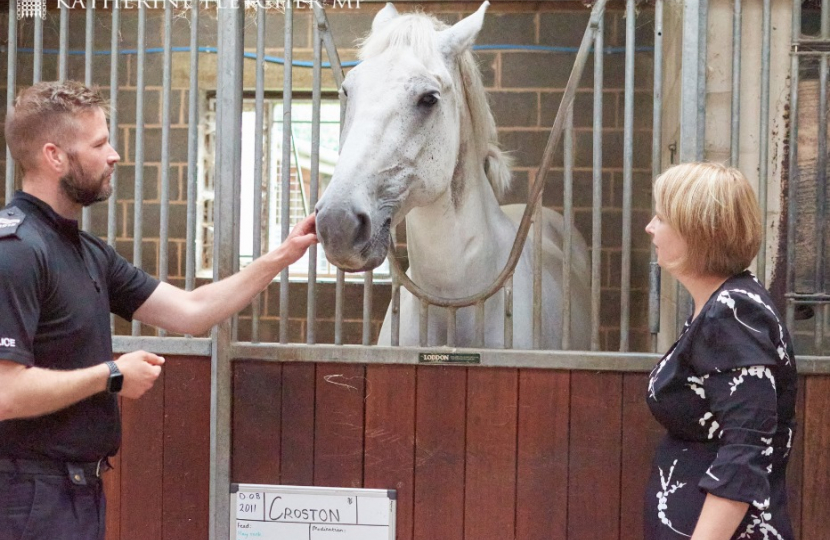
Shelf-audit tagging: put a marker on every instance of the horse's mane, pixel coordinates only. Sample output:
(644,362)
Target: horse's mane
(417,32)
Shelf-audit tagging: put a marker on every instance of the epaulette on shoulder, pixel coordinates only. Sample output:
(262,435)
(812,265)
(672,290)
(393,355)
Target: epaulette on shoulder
(10,219)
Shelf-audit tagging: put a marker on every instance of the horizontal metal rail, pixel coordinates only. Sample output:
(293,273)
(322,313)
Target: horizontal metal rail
(183,346)
(562,360)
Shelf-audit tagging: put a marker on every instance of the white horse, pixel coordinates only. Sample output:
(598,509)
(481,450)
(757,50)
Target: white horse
(419,142)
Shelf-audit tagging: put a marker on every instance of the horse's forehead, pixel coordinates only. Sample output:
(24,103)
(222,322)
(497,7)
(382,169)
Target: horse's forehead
(403,67)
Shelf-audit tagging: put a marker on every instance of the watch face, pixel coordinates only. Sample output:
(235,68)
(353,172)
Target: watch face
(116,381)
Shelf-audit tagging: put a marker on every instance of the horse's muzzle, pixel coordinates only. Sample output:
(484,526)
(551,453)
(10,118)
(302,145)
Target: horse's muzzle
(350,238)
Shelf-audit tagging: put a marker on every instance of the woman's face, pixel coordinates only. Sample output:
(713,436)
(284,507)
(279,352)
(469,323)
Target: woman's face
(670,246)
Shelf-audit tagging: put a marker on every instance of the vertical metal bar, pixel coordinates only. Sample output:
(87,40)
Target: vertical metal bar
(701,81)
(689,75)
(63,42)
(735,132)
(537,278)
(656,165)
(628,154)
(259,138)
(328,41)
(396,311)
(423,323)
(596,201)
(112,203)
(286,161)
(452,331)
(367,307)
(793,160)
(11,84)
(192,149)
(821,197)
(691,145)
(228,175)
(763,153)
(568,215)
(138,202)
(479,333)
(316,98)
(164,196)
(825,18)
(89,37)
(37,74)
(338,307)
(508,313)
(89,34)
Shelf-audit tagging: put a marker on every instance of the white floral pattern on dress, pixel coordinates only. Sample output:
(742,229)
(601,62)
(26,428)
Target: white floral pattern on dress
(696,384)
(761,520)
(752,371)
(663,498)
(725,298)
(713,427)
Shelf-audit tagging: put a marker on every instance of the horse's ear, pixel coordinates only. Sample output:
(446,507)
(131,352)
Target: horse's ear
(460,36)
(384,16)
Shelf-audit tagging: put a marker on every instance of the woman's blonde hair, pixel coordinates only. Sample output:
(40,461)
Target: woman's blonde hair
(714,209)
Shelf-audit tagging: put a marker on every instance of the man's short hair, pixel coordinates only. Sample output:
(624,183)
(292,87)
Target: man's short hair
(714,209)
(45,112)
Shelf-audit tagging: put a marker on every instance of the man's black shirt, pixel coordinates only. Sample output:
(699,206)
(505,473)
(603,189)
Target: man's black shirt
(58,286)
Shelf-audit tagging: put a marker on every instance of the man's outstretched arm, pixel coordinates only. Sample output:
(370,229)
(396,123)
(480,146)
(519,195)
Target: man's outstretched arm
(194,312)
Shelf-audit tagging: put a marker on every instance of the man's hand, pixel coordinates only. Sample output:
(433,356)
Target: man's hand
(299,240)
(140,370)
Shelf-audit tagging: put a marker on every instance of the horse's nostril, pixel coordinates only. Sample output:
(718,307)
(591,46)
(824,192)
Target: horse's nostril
(364,228)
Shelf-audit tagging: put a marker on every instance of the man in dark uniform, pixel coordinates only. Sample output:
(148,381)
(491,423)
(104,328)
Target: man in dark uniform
(59,418)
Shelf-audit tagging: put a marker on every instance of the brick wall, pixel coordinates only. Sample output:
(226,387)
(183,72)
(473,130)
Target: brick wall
(525,88)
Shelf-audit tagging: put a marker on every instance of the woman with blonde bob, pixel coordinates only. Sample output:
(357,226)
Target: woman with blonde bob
(725,391)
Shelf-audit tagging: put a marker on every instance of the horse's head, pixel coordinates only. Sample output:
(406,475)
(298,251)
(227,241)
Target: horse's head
(402,134)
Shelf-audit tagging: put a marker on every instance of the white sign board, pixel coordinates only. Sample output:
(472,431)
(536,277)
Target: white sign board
(268,512)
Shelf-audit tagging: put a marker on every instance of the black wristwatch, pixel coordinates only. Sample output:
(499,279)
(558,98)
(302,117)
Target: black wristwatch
(116,380)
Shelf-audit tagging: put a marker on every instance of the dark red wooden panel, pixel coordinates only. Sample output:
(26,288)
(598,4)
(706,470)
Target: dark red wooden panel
(596,436)
(297,460)
(640,435)
(542,462)
(186,483)
(338,425)
(439,453)
(142,451)
(795,469)
(815,502)
(490,492)
(255,439)
(112,490)
(389,454)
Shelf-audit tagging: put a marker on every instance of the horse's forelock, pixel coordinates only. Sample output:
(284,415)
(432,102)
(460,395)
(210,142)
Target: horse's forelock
(416,32)
(413,31)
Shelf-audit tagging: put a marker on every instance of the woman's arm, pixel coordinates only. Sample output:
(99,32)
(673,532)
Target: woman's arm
(719,518)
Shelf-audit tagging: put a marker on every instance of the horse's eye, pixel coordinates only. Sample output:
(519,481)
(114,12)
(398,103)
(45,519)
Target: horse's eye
(428,100)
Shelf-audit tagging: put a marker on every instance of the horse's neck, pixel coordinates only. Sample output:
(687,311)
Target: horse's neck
(446,239)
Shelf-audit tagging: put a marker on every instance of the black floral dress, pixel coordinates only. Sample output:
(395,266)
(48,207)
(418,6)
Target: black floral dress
(725,392)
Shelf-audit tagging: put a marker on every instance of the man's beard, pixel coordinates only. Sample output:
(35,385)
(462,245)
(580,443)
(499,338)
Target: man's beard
(81,188)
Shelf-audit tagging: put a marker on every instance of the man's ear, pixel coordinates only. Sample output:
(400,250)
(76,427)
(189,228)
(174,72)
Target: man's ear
(53,157)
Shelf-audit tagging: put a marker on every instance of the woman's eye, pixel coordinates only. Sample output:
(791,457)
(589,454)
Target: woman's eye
(428,100)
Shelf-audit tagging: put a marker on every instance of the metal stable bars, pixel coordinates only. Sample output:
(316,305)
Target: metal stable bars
(808,54)
(693,105)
